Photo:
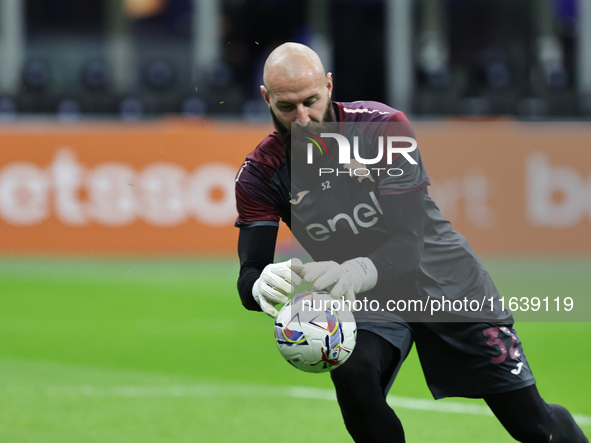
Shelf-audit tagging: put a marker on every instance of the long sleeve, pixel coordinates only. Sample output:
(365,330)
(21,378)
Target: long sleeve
(256,249)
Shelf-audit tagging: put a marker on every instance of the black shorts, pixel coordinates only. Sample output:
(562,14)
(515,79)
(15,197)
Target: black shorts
(462,359)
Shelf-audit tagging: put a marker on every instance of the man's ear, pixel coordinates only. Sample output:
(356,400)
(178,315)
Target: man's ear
(329,84)
(265,95)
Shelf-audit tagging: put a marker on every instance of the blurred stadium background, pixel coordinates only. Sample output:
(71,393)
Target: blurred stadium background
(136,58)
(122,125)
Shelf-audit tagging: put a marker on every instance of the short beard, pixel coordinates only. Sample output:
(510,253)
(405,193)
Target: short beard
(285,132)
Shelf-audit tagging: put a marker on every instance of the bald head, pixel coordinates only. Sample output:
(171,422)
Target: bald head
(292,63)
(296,89)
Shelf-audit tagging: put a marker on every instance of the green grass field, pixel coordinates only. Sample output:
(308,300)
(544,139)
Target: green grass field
(162,351)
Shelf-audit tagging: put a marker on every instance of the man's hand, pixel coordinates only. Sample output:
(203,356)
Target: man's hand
(277,281)
(312,270)
(345,280)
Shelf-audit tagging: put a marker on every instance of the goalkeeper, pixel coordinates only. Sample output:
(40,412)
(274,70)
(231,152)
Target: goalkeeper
(383,237)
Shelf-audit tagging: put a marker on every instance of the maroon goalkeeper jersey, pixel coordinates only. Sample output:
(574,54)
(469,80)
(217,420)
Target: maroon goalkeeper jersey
(339,217)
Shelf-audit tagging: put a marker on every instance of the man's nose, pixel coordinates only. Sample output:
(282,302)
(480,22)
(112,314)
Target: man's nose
(302,117)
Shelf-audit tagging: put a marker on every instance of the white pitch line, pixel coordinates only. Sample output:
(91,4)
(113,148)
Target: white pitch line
(419,404)
(205,390)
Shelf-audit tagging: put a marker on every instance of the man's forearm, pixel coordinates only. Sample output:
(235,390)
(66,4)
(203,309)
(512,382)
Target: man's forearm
(256,249)
(245,283)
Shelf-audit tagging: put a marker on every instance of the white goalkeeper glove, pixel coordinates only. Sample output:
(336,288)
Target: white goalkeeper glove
(276,282)
(345,280)
(314,269)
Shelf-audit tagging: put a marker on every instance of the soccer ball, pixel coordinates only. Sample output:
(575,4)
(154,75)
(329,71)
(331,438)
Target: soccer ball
(314,332)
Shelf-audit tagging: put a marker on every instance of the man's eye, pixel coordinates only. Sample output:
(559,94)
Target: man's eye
(309,103)
(285,108)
